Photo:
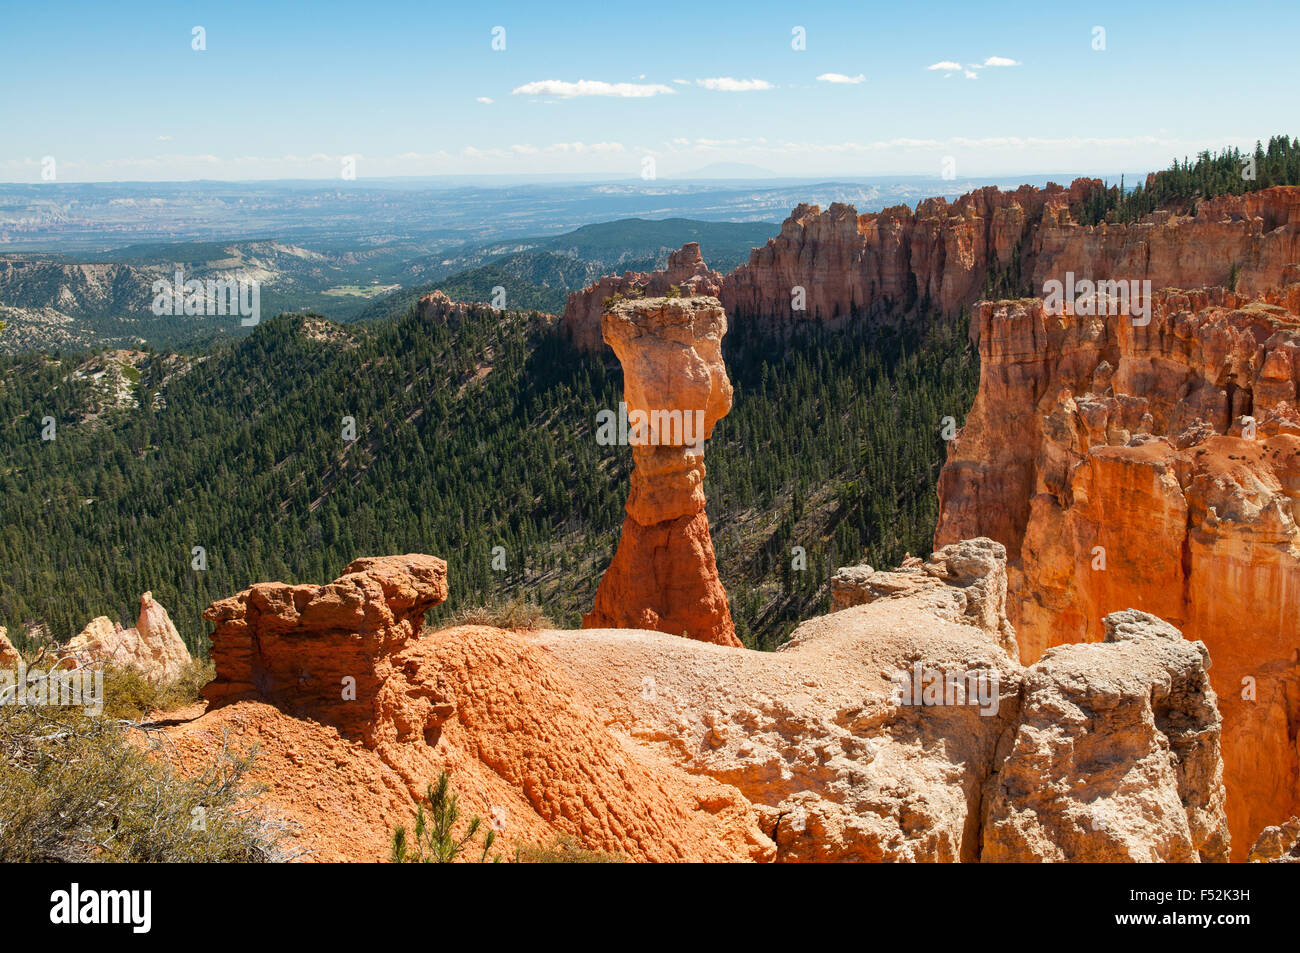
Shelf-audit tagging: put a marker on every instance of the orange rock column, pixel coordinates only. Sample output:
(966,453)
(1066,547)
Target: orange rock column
(664,576)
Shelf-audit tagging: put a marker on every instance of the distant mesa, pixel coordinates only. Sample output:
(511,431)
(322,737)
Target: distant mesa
(728,170)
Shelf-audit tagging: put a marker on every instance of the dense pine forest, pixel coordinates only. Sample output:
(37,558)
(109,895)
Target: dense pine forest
(286,454)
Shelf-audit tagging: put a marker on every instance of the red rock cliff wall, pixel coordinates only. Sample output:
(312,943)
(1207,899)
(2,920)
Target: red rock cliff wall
(852,265)
(1090,432)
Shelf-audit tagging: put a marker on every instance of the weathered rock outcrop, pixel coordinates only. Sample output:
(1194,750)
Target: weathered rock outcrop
(437,308)
(1148,787)
(9,656)
(686,269)
(1154,467)
(323,651)
(1278,845)
(663,575)
(526,751)
(970,574)
(894,730)
(153,647)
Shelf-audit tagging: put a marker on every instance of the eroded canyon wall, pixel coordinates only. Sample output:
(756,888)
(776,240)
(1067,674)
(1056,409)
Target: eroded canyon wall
(835,265)
(852,265)
(1123,466)
(1152,467)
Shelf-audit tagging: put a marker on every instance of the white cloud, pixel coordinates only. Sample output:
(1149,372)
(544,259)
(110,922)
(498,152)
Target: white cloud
(590,87)
(682,82)
(728,84)
(971,70)
(164,138)
(582,148)
(840,78)
(487,100)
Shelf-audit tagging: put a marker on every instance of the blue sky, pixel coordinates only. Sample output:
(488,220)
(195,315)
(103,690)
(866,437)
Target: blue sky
(286,90)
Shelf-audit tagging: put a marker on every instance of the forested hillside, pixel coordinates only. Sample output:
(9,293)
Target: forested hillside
(540,273)
(465,440)
(103,299)
(538,281)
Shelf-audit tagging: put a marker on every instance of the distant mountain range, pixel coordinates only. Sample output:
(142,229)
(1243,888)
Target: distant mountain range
(104,300)
(433,214)
(539,273)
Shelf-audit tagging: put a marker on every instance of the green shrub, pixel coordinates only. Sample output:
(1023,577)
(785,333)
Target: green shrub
(565,850)
(435,839)
(78,788)
(515,614)
(127,695)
